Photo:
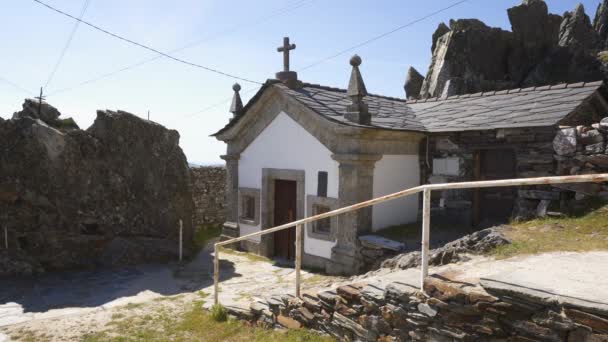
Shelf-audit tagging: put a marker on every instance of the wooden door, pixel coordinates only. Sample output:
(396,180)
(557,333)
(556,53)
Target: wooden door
(494,205)
(285,211)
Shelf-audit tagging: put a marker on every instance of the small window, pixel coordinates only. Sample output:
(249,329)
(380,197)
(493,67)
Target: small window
(321,226)
(248,210)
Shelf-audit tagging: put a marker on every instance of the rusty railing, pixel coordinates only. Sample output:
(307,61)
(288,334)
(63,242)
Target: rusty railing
(426,216)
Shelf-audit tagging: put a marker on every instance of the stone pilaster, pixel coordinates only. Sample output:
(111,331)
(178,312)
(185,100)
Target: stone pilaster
(231,227)
(356,173)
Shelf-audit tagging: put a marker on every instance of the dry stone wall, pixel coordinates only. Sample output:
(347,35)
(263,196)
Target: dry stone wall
(446,311)
(208,194)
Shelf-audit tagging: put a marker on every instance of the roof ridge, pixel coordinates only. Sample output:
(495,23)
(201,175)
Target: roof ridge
(319,86)
(562,85)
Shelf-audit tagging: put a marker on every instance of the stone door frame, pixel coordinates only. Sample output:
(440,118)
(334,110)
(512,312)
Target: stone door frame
(269,175)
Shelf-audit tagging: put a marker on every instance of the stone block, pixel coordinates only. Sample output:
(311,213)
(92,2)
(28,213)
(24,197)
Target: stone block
(400,291)
(288,322)
(595,148)
(565,141)
(597,323)
(349,292)
(591,137)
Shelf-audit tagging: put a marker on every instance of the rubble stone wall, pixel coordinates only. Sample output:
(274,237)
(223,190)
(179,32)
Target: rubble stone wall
(533,151)
(208,194)
(446,311)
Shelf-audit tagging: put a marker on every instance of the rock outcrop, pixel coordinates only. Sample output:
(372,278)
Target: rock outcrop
(112,194)
(413,83)
(541,48)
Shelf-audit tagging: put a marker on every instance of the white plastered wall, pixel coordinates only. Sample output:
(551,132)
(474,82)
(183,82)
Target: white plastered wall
(284,144)
(393,173)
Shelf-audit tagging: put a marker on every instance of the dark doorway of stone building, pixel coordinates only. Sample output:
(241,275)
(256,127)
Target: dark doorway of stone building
(494,205)
(285,211)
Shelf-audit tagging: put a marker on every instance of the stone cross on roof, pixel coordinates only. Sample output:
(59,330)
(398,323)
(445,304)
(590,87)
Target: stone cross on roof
(285,50)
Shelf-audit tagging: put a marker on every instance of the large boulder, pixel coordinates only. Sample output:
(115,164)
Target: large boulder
(576,31)
(413,83)
(600,24)
(470,51)
(69,197)
(541,49)
(535,32)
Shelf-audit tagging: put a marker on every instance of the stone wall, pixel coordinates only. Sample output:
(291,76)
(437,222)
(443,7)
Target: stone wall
(446,311)
(533,151)
(208,194)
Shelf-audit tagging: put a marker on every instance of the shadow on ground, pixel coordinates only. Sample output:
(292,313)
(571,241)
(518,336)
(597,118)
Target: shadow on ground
(98,287)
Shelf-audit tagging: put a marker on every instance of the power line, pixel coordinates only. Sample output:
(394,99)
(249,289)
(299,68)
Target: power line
(147,47)
(16,86)
(67,44)
(380,36)
(283,10)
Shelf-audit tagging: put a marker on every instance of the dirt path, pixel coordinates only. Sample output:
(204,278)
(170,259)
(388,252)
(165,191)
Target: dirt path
(70,306)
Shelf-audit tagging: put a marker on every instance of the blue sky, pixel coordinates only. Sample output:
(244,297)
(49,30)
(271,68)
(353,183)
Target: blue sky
(240,37)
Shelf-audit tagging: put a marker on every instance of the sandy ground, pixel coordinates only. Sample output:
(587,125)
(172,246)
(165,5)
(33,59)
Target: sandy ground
(68,307)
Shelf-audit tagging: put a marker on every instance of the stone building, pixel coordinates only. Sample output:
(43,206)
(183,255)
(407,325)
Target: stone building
(298,149)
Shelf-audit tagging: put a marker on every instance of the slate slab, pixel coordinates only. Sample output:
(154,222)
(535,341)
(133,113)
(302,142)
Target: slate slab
(379,242)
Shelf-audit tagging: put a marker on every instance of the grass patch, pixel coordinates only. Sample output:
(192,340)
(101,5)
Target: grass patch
(195,325)
(576,233)
(219,313)
(206,233)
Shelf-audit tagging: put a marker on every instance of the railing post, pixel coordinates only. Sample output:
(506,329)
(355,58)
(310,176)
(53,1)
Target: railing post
(426,225)
(216,274)
(181,244)
(298,257)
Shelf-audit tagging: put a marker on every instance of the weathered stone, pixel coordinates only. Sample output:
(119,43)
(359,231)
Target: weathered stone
(375,323)
(378,242)
(400,291)
(553,320)
(427,310)
(441,29)
(600,160)
(580,333)
(258,307)
(478,242)
(565,141)
(576,32)
(311,303)
(328,297)
(349,292)
(598,324)
(536,331)
(208,194)
(122,185)
(591,137)
(240,312)
(413,83)
(595,148)
(355,328)
(598,338)
(288,322)
(600,23)
(374,293)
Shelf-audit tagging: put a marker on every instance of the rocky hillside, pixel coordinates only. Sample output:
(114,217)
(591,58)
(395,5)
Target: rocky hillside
(541,48)
(112,194)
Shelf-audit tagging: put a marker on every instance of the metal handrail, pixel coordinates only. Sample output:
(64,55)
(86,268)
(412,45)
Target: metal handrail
(426,209)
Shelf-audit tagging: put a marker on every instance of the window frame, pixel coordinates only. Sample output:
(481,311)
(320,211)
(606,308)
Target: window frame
(248,194)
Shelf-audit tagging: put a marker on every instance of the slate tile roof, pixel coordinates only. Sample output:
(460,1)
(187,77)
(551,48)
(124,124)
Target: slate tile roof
(528,107)
(521,107)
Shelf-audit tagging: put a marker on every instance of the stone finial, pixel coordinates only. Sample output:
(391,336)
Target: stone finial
(357,111)
(237,104)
